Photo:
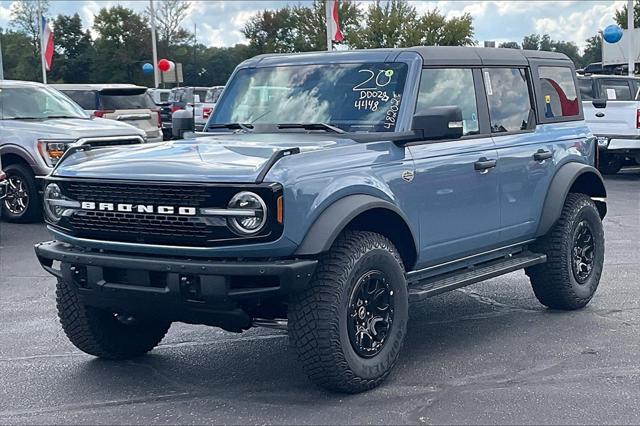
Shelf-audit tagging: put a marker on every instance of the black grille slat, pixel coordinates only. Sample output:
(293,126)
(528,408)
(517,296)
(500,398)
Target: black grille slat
(155,228)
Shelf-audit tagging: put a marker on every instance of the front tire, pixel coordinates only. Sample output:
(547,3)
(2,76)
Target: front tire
(348,326)
(22,203)
(102,333)
(575,256)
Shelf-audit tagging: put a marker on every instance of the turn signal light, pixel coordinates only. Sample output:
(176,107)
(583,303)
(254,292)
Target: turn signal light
(279,210)
(206,112)
(638,119)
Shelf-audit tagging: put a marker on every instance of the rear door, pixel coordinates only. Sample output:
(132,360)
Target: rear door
(619,117)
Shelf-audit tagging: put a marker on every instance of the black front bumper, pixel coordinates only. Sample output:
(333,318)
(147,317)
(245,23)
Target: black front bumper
(213,292)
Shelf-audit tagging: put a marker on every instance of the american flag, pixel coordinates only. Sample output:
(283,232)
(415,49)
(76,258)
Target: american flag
(47,44)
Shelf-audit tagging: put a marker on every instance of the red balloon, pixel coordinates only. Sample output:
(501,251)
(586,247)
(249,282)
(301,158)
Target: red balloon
(164,65)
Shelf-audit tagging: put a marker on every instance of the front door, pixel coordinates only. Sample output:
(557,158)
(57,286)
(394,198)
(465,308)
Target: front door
(455,179)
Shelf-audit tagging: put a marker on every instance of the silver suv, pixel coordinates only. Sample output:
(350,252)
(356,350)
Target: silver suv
(38,123)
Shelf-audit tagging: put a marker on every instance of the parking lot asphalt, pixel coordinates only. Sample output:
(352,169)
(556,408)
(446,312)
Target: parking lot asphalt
(488,353)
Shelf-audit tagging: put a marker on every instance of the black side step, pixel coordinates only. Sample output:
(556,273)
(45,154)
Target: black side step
(464,277)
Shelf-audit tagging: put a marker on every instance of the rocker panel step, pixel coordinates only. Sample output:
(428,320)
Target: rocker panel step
(451,281)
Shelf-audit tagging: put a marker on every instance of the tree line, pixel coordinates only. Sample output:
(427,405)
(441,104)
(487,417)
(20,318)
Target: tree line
(119,42)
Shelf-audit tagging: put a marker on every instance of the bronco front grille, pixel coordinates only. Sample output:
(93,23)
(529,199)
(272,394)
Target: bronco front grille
(161,229)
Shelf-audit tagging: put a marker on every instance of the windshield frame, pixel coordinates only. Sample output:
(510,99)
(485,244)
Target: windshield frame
(74,110)
(409,95)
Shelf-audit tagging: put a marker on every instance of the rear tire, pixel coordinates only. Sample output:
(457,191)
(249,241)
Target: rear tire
(610,164)
(346,339)
(100,333)
(23,203)
(575,256)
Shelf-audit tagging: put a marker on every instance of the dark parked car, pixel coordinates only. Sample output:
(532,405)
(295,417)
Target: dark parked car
(332,190)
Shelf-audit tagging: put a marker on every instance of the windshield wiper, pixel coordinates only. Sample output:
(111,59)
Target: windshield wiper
(311,126)
(24,118)
(63,116)
(235,126)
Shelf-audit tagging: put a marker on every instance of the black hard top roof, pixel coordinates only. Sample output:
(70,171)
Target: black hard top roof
(455,55)
(431,56)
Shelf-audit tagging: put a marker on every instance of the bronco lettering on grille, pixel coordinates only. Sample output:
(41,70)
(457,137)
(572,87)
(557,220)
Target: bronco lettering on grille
(138,208)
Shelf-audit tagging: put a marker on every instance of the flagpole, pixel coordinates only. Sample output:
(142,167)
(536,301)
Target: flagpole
(329,17)
(154,45)
(1,63)
(40,32)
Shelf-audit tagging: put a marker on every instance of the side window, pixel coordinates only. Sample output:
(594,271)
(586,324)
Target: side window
(586,88)
(615,90)
(558,92)
(509,99)
(450,87)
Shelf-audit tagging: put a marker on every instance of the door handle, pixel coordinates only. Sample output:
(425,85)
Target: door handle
(483,164)
(542,155)
(599,114)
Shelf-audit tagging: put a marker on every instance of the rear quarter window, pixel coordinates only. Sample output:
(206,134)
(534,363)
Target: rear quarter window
(615,90)
(559,92)
(85,98)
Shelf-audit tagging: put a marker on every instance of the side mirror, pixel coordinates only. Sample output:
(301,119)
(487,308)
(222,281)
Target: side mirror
(599,103)
(444,122)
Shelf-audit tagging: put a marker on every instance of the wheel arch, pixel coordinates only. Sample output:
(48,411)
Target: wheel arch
(364,213)
(14,155)
(571,178)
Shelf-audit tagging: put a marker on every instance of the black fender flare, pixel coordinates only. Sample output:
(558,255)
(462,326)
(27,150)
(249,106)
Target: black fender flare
(335,218)
(561,184)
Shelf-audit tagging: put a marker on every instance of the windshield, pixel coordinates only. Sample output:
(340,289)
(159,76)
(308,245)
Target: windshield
(353,97)
(37,102)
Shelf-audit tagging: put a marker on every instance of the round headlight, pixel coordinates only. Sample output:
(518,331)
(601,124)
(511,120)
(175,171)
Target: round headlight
(52,193)
(255,217)
(56,204)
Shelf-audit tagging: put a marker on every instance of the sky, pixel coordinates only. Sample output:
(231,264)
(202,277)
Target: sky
(219,22)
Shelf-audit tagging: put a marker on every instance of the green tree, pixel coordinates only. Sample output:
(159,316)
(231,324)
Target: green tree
(271,31)
(593,50)
(17,65)
(387,24)
(122,45)
(621,15)
(25,18)
(74,50)
(509,45)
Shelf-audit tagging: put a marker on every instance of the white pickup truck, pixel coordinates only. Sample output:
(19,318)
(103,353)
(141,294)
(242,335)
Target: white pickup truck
(612,112)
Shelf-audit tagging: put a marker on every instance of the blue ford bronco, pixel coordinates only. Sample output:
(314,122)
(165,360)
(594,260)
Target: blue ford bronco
(329,191)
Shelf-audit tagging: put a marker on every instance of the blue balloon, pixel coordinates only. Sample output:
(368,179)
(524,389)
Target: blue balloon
(612,33)
(147,68)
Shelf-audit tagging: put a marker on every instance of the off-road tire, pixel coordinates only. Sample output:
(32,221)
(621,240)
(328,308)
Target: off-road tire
(33,212)
(554,282)
(610,164)
(318,316)
(98,332)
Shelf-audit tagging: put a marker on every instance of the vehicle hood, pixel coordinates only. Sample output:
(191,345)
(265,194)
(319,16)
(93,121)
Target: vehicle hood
(72,128)
(222,158)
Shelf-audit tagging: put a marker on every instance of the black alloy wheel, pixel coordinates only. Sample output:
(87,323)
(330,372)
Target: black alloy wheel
(370,313)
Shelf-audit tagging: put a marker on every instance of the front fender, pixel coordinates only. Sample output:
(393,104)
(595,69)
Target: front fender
(334,219)
(582,178)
